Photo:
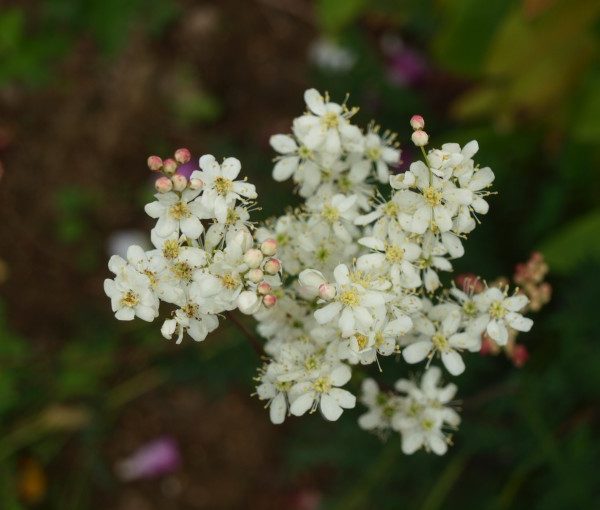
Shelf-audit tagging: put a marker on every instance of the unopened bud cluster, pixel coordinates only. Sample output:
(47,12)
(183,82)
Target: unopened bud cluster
(171,180)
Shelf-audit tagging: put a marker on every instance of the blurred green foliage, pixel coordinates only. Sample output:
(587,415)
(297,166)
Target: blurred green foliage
(31,44)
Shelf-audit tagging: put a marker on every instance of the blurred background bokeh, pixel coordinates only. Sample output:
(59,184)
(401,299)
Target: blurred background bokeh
(90,88)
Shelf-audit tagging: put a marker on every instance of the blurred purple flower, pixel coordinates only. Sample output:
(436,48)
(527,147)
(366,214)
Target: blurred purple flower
(406,67)
(187,168)
(152,460)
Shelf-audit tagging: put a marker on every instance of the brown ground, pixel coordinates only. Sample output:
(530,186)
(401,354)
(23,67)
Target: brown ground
(93,129)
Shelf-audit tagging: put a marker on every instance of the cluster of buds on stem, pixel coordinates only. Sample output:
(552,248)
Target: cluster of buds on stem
(530,277)
(171,180)
(420,138)
(263,267)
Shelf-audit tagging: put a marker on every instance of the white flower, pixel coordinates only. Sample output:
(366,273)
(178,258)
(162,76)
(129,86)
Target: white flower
(424,414)
(338,212)
(324,392)
(380,152)
(220,189)
(380,339)
(396,254)
(178,213)
(381,407)
(155,267)
(297,161)
(476,180)
(501,312)
(189,319)
(443,338)
(130,292)
(326,127)
(275,391)
(354,306)
(436,203)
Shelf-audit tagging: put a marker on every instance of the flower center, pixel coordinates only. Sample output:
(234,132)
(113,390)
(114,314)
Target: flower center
(330,120)
(130,299)
(360,278)
(282,239)
(312,362)
(497,311)
(427,424)
(414,409)
(440,342)
(191,309)
(322,254)
(232,216)
(322,385)
(379,339)
(182,270)
(349,298)
(229,281)
(283,386)
(179,211)
(374,153)
(470,308)
(330,213)
(222,185)
(390,209)
(344,183)
(151,276)
(394,254)
(432,196)
(423,263)
(304,152)
(362,341)
(171,249)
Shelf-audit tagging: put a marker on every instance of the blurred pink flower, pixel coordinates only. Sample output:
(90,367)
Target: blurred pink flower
(305,499)
(406,67)
(154,459)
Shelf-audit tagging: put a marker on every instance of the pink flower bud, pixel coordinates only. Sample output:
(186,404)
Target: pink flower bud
(420,138)
(488,346)
(272,266)
(169,166)
(469,283)
(155,163)
(182,156)
(417,122)
(255,275)
(263,288)
(269,247)
(520,355)
(253,258)
(163,185)
(270,300)
(327,291)
(196,184)
(179,182)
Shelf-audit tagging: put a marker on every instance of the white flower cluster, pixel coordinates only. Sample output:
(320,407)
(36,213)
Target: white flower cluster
(363,273)
(361,270)
(205,260)
(420,413)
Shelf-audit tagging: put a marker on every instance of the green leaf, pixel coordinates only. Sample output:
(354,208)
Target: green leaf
(587,127)
(468,32)
(575,243)
(334,15)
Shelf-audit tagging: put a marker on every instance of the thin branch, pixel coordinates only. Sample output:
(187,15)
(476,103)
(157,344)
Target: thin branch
(252,338)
